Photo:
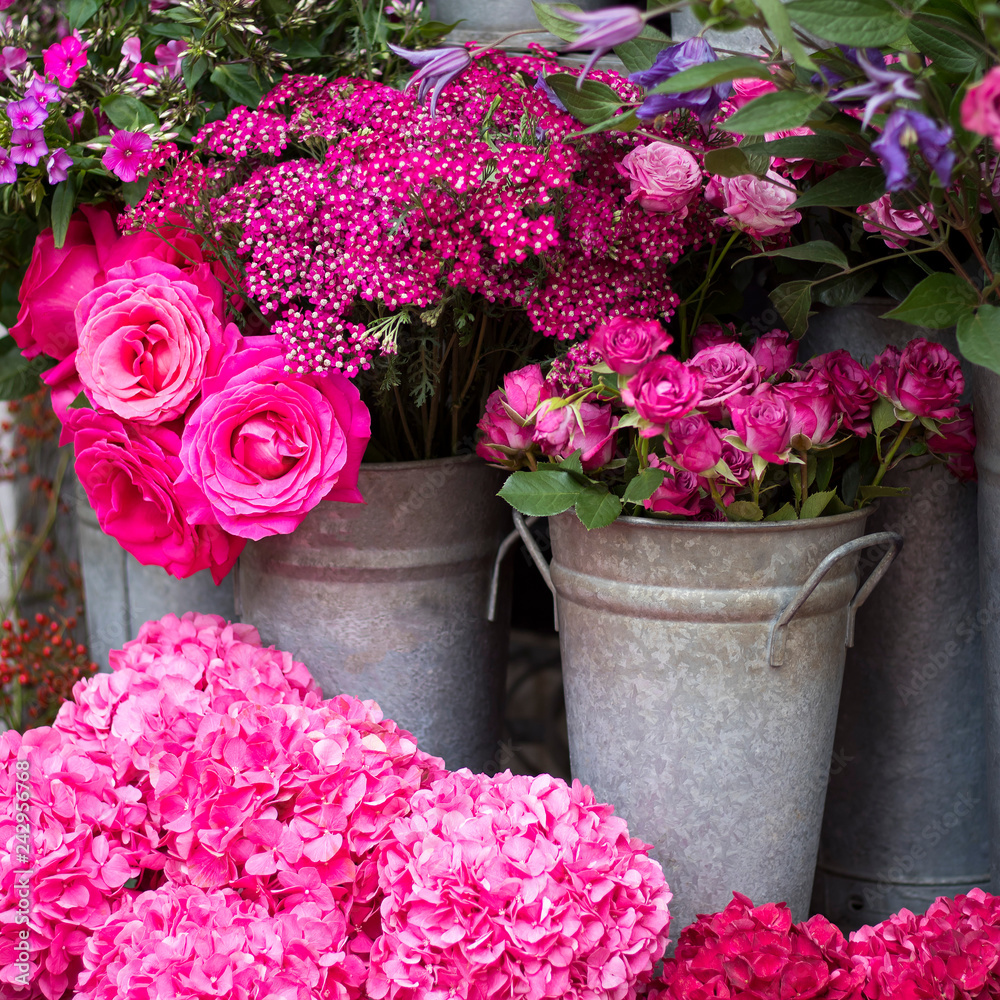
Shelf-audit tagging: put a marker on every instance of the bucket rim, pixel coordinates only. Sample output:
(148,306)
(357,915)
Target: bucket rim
(721,527)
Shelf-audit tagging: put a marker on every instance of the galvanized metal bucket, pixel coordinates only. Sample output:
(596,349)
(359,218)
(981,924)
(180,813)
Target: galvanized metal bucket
(390,600)
(702,666)
(487,20)
(120,594)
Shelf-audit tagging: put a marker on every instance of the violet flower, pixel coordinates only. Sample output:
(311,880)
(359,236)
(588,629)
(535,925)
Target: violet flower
(602,30)
(671,61)
(26,114)
(903,130)
(8,172)
(436,69)
(884,86)
(126,154)
(58,166)
(27,146)
(42,91)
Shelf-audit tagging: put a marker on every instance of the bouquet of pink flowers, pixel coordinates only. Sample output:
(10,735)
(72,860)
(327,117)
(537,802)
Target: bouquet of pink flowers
(730,434)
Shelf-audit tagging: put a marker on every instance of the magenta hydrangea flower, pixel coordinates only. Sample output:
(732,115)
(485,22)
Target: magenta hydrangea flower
(26,113)
(58,166)
(127,154)
(8,172)
(27,146)
(64,60)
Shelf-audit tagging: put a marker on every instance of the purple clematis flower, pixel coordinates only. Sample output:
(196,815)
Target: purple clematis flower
(602,30)
(27,146)
(8,172)
(26,113)
(542,85)
(669,62)
(436,69)
(903,130)
(884,85)
(58,166)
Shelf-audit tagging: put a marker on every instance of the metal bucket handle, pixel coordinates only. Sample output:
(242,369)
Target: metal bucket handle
(779,628)
(522,531)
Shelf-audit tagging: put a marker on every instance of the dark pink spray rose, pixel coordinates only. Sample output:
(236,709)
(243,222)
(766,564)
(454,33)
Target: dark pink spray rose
(662,389)
(925,379)
(852,388)
(812,409)
(729,370)
(626,344)
(265,446)
(763,422)
(693,443)
(681,492)
(505,424)
(560,431)
(711,334)
(956,442)
(775,353)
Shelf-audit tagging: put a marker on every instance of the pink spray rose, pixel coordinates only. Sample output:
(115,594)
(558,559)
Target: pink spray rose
(775,353)
(812,409)
(710,334)
(981,106)
(560,431)
(265,446)
(763,422)
(851,386)
(505,424)
(749,89)
(924,378)
(693,443)
(896,225)
(760,206)
(148,337)
(957,442)
(662,389)
(663,177)
(128,472)
(626,344)
(740,464)
(680,493)
(729,370)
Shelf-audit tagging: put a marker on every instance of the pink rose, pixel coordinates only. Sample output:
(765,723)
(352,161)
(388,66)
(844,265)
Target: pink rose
(924,379)
(851,387)
(957,442)
(560,431)
(740,463)
(663,177)
(896,225)
(712,334)
(148,337)
(626,344)
(505,424)
(981,106)
(729,370)
(693,443)
(763,422)
(265,446)
(775,353)
(128,473)
(680,493)
(749,89)
(813,411)
(760,206)
(661,390)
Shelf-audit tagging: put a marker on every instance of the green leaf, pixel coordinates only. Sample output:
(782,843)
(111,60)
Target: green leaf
(744,510)
(135,191)
(864,23)
(79,12)
(781,27)
(793,300)
(819,251)
(541,493)
(640,53)
(775,112)
(938,302)
(786,513)
(127,112)
(644,485)
(822,148)
(883,416)
(63,203)
(193,70)
(979,337)
(824,469)
(81,402)
(708,74)
(993,254)
(433,31)
(552,22)
(847,288)
(592,104)
(815,504)
(20,376)
(871,492)
(236,80)
(597,506)
(845,189)
(302,48)
(573,463)
(936,38)
(732,161)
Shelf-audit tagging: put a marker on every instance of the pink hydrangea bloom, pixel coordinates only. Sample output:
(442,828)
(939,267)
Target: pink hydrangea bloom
(499,887)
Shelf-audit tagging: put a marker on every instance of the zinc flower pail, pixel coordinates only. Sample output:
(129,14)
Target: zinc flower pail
(390,600)
(480,21)
(702,664)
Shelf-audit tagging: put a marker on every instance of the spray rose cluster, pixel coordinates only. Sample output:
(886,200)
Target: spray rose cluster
(189,437)
(202,817)
(731,433)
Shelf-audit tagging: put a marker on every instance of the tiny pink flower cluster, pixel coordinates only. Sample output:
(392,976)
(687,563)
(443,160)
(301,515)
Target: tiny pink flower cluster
(400,210)
(189,438)
(203,823)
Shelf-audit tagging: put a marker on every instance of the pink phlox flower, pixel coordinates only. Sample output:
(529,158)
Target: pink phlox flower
(42,91)
(12,59)
(8,172)
(58,166)
(26,113)
(127,155)
(64,60)
(27,146)
(170,56)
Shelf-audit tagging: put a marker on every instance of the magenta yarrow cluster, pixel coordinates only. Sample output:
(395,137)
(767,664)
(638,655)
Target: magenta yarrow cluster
(378,207)
(203,823)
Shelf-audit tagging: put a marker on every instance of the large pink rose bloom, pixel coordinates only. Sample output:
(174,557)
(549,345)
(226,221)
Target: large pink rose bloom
(925,378)
(589,427)
(662,389)
(981,106)
(505,424)
(663,178)
(760,206)
(896,225)
(148,336)
(627,343)
(264,446)
(729,370)
(763,422)
(128,473)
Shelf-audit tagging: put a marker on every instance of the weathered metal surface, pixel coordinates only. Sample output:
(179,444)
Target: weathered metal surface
(675,715)
(389,600)
(120,594)
(484,21)
(906,818)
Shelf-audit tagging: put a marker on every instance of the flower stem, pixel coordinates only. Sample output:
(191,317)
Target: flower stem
(887,461)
